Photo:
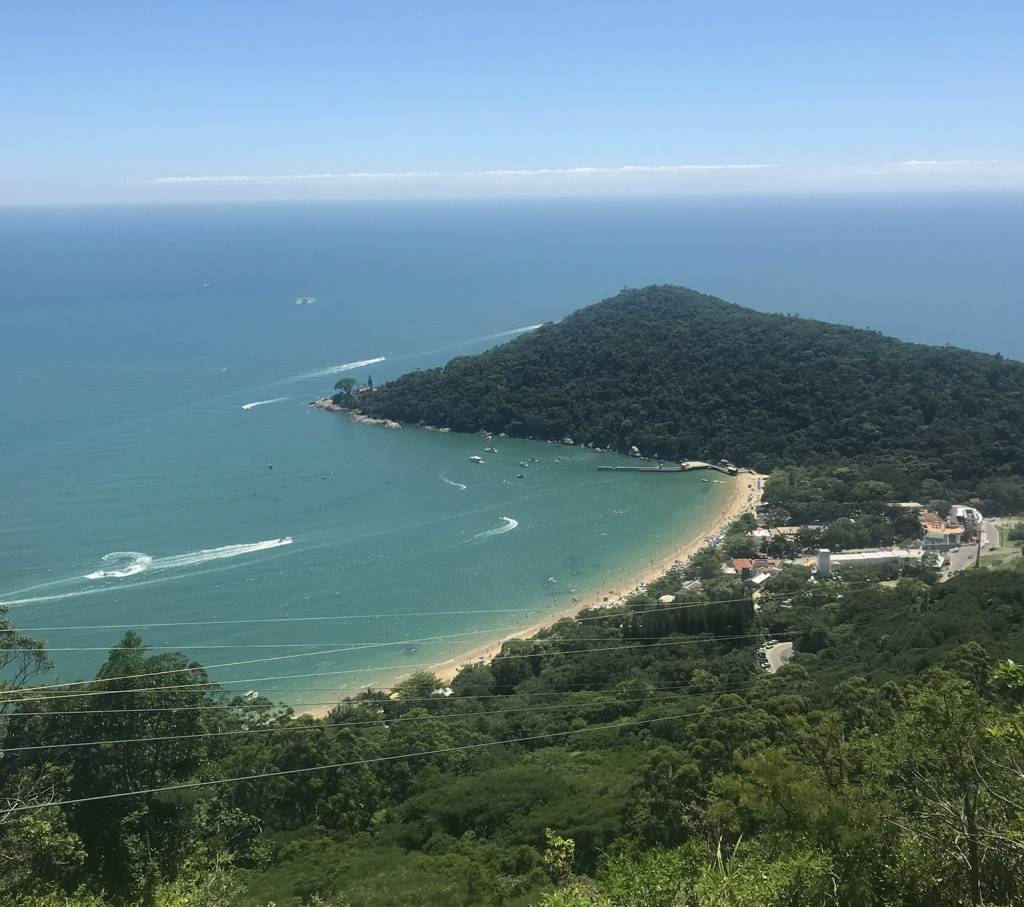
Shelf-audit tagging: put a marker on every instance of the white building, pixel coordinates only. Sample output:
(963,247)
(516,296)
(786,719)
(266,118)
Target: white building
(969,518)
(824,565)
(828,562)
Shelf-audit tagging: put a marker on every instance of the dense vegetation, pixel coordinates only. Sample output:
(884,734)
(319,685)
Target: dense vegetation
(682,375)
(634,756)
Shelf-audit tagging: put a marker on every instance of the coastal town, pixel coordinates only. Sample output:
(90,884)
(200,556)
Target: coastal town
(777,563)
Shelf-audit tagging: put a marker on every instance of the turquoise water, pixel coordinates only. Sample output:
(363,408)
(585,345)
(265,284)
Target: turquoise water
(124,379)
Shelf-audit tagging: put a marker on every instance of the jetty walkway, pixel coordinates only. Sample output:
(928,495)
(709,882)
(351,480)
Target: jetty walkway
(684,466)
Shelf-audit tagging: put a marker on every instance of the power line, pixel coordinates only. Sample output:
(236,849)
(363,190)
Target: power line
(620,608)
(305,728)
(274,645)
(640,611)
(187,785)
(352,646)
(694,640)
(350,703)
(270,620)
(267,620)
(232,664)
(635,610)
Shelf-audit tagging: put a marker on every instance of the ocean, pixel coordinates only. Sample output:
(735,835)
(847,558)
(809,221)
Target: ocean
(161,471)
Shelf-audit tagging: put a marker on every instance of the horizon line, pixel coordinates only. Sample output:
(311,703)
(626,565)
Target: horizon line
(822,192)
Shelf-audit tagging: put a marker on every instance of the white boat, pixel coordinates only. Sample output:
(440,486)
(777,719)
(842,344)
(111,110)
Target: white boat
(490,450)
(476,459)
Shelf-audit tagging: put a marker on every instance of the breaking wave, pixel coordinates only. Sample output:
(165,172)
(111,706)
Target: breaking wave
(458,485)
(508,524)
(263,402)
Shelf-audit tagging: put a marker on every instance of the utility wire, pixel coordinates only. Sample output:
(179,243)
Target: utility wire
(268,620)
(637,610)
(187,785)
(693,640)
(614,609)
(308,727)
(259,708)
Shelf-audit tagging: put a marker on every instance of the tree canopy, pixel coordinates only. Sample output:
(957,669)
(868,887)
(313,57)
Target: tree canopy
(682,375)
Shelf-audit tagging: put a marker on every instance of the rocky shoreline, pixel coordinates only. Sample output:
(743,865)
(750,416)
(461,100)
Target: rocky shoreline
(357,415)
(326,403)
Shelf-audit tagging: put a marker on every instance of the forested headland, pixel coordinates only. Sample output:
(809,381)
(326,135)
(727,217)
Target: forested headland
(678,374)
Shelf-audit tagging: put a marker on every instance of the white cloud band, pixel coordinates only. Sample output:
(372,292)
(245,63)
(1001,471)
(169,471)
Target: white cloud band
(397,175)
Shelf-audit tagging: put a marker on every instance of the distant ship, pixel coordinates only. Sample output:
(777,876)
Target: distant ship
(476,459)
(490,450)
(305,300)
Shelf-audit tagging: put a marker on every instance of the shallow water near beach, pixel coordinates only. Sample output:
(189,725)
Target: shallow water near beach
(161,471)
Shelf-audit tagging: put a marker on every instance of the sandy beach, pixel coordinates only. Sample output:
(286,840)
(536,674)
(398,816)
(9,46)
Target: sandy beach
(744,495)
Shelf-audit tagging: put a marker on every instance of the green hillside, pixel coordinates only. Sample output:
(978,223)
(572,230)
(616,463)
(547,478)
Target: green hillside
(682,375)
(611,761)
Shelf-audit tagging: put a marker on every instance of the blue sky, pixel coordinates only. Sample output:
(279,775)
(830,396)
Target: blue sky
(185,101)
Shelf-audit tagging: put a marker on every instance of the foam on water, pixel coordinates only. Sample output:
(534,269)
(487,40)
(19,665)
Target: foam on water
(336,369)
(508,524)
(475,340)
(215,554)
(458,485)
(94,588)
(263,402)
(529,327)
(121,564)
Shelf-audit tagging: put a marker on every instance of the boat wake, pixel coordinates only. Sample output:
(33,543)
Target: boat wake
(190,559)
(458,485)
(263,402)
(508,524)
(474,340)
(500,334)
(119,565)
(337,369)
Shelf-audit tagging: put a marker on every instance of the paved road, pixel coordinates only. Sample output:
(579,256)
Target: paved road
(967,556)
(990,536)
(964,558)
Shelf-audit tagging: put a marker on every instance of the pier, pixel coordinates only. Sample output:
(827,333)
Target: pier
(642,468)
(685,466)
